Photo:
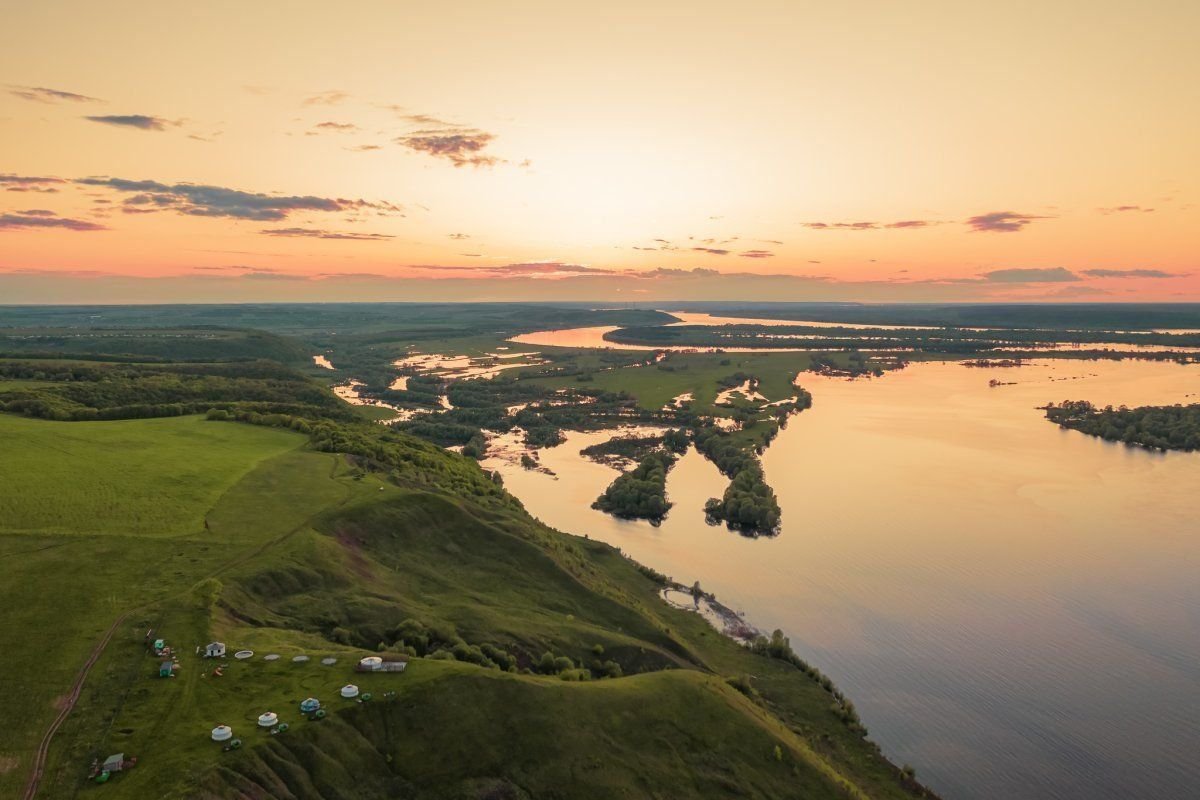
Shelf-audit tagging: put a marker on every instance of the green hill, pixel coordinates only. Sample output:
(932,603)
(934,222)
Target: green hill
(541,665)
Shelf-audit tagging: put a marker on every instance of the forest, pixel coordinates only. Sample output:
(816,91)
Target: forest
(80,392)
(640,493)
(931,340)
(1156,427)
(749,504)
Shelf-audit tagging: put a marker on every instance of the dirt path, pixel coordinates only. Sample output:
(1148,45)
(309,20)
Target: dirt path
(43,751)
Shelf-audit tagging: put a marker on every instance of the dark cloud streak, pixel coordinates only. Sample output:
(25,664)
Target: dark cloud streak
(142,122)
(315,233)
(1001,222)
(41,219)
(1030,275)
(461,147)
(218,201)
(42,94)
(1131,273)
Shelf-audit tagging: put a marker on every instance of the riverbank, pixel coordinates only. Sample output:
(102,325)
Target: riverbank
(723,618)
(953,580)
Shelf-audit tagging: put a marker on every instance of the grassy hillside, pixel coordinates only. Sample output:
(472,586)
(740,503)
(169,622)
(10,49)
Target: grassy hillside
(101,524)
(541,665)
(131,477)
(678,734)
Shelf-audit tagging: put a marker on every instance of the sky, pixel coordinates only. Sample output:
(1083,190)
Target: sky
(616,151)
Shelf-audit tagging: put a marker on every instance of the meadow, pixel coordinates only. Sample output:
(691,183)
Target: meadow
(291,551)
(92,532)
(141,478)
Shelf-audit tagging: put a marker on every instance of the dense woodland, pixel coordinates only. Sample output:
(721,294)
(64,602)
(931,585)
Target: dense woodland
(165,344)
(79,392)
(640,493)
(1157,427)
(939,340)
(1074,316)
(749,504)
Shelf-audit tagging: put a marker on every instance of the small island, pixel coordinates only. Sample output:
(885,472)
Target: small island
(640,493)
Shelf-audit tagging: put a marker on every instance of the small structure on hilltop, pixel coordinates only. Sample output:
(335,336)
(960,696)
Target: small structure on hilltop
(268,719)
(349,691)
(309,705)
(222,733)
(215,650)
(114,763)
(377,664)
(166,669)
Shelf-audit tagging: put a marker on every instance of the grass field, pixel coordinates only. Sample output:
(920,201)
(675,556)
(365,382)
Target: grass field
(697,373)
(62,587)
(16,385)
(274,548)
(132,477)
(451,728)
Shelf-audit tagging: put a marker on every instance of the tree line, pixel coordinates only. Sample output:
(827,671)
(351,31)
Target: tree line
(1157,427)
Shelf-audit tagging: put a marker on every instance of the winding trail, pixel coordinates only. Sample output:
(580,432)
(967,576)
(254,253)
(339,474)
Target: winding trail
(43,751)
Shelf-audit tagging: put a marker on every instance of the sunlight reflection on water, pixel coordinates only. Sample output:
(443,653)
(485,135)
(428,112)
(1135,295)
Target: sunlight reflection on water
(1012,607)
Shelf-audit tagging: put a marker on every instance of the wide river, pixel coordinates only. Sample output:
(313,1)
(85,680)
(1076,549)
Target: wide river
(1014,608)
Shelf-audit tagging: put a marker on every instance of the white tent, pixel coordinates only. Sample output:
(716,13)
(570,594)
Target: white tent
(222,733)
(268,720)
(349,690)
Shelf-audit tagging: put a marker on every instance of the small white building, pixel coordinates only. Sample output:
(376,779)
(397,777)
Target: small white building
(268,720)
(349,691)
(215,650)
(370,664)
(222,733)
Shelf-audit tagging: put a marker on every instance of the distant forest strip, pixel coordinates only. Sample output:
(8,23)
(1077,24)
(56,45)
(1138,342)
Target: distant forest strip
(367,322)
(409,321)
(1157,427)
(84,391)
(1094,316)
(940,340)
(157,344)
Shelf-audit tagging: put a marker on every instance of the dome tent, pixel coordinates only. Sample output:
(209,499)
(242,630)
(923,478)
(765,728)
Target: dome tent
(268,719)
(309,705)
(222,733)
(349,690)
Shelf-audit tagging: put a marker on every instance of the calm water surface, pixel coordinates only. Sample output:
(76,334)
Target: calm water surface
(1014,608)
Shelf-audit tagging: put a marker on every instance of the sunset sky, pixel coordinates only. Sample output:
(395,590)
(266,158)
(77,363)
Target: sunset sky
(632,151)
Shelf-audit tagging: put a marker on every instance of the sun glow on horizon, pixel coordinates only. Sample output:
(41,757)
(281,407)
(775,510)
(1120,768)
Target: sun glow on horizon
(920,153)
